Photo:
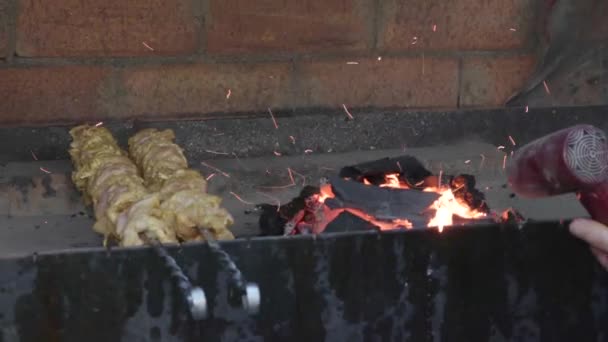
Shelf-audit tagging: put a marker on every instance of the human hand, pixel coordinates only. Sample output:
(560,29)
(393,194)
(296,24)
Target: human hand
(596,235)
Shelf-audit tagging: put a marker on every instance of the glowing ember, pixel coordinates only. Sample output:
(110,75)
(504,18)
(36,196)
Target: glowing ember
(216,169)
(274,121)
(240,199)
(350,116)
(546,87)
(147,46)
(444,209)
(512,140)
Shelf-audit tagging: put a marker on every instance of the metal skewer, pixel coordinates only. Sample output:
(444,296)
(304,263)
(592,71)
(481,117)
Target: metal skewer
(194,296)
(250,298)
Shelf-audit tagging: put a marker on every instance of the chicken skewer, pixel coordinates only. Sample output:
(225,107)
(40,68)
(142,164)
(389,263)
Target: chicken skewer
(195,214)
(182,191)
(124,209)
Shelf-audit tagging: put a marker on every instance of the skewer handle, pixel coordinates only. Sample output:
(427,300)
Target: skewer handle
(251,296)
(195,296)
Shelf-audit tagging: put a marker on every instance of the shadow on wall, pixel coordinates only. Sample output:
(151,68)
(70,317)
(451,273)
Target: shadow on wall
(573,70)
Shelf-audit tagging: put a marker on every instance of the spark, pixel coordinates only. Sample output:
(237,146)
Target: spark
(300,175)
(240,199)
(99,124)
(278,154)
(277,201)
(512,29)
(228,94)
(210,176)
(483,160)
(350,116)
(307,151)
(504,162)
(44,170)
(33,155)
(274,121)
(500,148)
(352,63)
(526,109)
(415,40)
(379,58)
(512,141)
(546,87)
(293,140)
(216,169)
(440,175)
(216,152)
(399,165)
(293,180)
(148,46)
(326,168)
(434,28)
(467,161)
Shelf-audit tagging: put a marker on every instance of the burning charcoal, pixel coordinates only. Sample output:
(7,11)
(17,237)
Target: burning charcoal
(512,216)
(273,218)
(347,222)
(463,187)
(381,203)
(408,167)
(271,222)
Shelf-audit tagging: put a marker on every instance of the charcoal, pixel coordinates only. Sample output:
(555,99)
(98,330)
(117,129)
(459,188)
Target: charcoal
(381,203)
(463,188)
(347,222)
(408,168)
(273,218)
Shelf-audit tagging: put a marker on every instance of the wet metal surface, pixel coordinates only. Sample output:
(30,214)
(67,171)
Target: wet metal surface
(492,283)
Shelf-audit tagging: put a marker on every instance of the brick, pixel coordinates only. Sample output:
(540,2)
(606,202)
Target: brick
(206,88)
(289,26)
(408,82)
(4,27)
(489,81)
(40,95)
(460,25)
(107,28)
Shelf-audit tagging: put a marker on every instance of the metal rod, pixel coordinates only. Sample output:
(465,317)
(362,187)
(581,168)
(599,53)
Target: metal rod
(251,293)
(195,296)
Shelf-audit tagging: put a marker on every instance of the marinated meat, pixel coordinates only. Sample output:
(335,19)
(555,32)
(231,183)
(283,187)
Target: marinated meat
(109,181)
(183,191)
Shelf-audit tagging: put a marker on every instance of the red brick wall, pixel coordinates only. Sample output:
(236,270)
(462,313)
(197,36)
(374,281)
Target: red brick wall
(73,60)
